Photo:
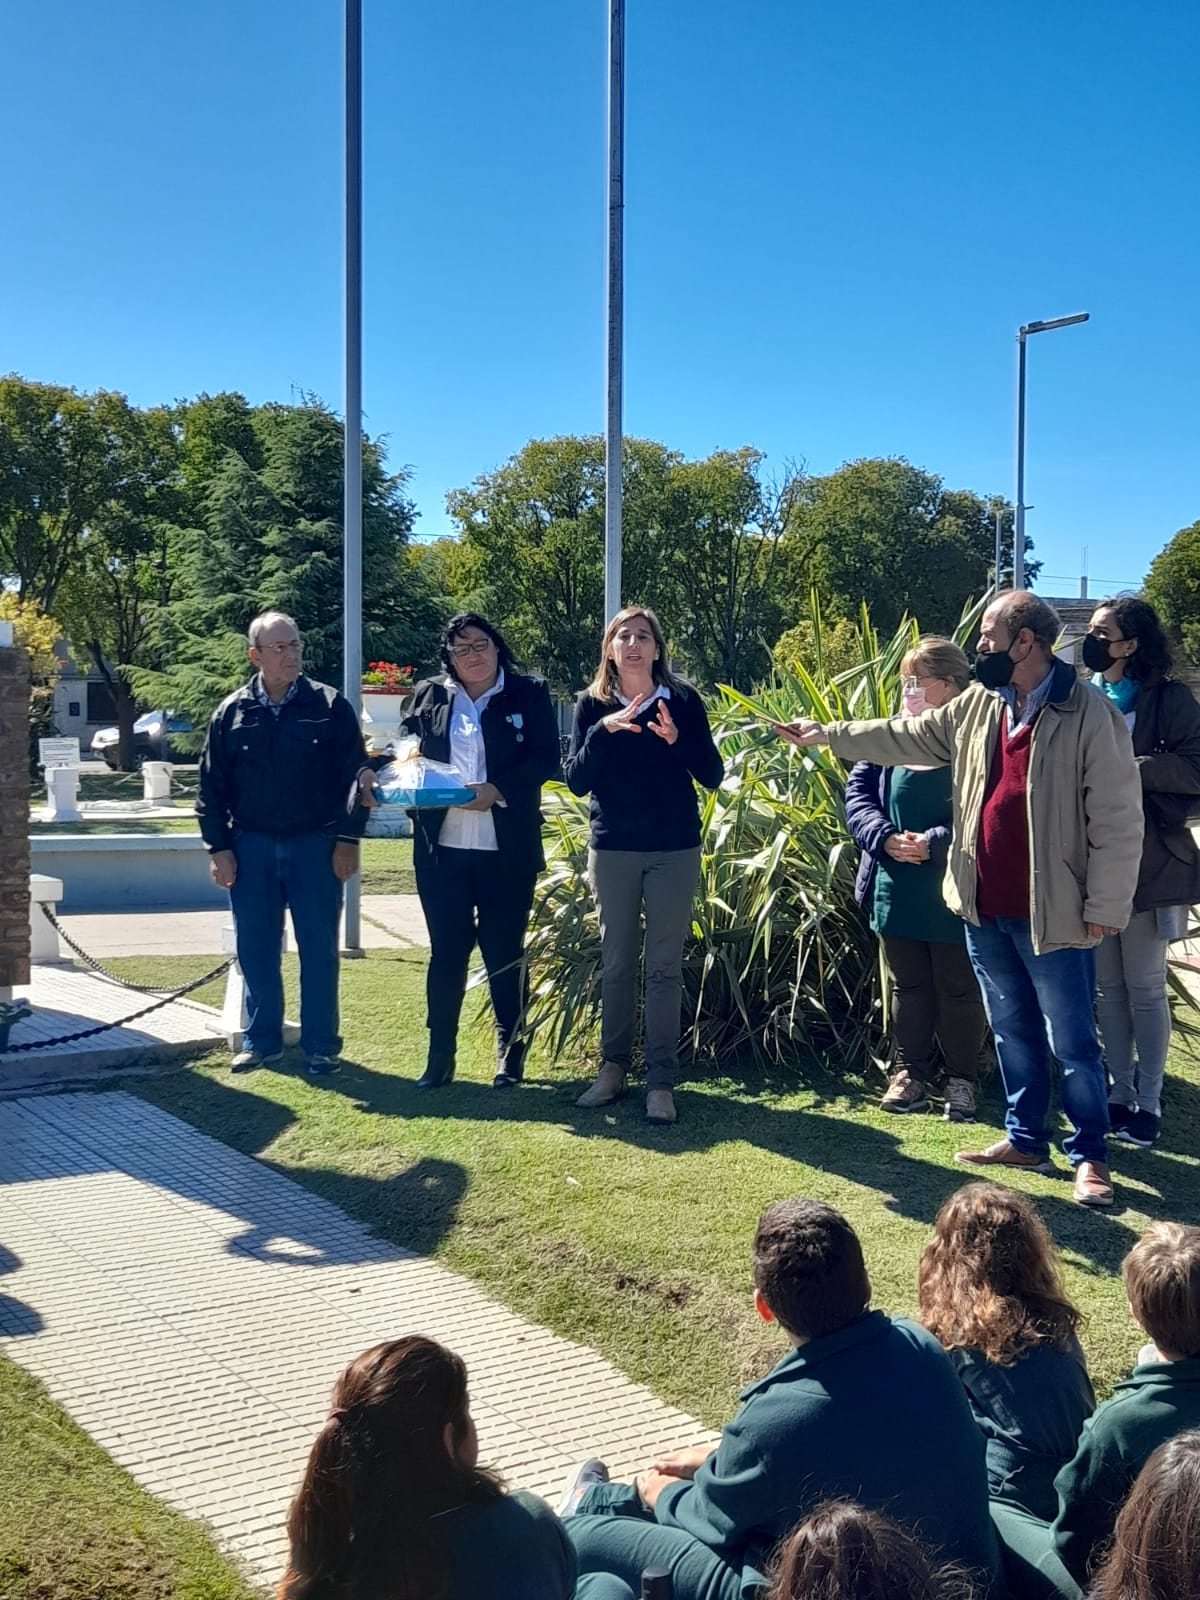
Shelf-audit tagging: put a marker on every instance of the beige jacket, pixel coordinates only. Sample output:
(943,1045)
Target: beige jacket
(1084,800)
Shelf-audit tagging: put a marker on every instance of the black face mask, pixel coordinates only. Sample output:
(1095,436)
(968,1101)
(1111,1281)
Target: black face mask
(994,670)
(1096,653)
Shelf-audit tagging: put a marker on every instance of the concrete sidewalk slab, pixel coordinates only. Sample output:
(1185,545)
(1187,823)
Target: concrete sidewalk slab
(389,922)
(191,1308)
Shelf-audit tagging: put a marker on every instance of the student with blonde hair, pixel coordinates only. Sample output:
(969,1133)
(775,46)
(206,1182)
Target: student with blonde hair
(901,819)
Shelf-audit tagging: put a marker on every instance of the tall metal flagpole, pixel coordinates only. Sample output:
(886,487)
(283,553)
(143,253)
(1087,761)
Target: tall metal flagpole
(352,503)
(616,308)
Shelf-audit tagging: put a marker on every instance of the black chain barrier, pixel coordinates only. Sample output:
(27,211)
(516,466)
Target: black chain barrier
(98,966)
(165,996)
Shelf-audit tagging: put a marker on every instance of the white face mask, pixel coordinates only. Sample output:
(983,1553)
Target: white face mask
(914,702)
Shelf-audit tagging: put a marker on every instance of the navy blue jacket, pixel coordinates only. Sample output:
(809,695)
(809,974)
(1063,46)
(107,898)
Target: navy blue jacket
(868,793)
(280,773)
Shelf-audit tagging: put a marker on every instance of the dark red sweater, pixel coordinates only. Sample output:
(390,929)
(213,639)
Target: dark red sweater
(1003,848)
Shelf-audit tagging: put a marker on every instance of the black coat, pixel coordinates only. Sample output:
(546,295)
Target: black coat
(520,741)
(280,773)
(1166,715)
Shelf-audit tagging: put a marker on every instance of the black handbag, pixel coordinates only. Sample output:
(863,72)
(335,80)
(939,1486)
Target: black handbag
(1164,811)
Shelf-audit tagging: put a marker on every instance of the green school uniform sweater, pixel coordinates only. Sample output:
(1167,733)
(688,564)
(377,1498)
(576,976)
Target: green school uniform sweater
(874,1412)
(1153,1404)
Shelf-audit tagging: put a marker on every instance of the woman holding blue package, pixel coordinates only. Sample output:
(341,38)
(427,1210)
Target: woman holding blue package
(476,864)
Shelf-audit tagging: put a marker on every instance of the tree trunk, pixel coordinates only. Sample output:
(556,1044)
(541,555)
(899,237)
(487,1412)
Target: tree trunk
(126,708)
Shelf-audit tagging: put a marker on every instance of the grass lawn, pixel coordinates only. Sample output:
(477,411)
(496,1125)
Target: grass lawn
(73,1526)
(636,1239)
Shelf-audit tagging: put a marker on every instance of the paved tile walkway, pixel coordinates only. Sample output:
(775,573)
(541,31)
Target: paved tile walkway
(190,1308)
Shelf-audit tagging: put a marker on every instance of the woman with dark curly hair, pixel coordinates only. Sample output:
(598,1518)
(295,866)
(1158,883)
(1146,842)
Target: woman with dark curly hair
(991,1293)
(394,1505)
(1155,1553)
(1127,650)
(842,1551)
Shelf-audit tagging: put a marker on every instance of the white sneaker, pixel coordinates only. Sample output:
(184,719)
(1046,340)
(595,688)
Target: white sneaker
(579,1481)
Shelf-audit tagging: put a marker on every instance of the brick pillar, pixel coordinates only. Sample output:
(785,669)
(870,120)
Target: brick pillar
(14,816)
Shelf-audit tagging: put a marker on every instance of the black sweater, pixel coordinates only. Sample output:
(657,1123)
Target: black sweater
(642,789)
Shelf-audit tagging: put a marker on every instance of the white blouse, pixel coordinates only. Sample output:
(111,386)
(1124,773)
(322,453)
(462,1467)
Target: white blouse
(469,830)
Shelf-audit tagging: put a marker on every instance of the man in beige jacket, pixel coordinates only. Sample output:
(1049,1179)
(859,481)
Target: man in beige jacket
(1043,864)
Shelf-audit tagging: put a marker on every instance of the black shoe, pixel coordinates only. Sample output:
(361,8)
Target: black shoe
(1141,1128)
(320,1066)
(1118,1117)
(505,1080)
(439,1072)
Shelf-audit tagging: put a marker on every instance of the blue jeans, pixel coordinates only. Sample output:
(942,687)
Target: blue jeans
(1041,1007)
(274,874)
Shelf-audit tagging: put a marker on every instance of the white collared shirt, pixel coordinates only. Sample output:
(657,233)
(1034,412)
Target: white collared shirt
(662,691)
(469,830)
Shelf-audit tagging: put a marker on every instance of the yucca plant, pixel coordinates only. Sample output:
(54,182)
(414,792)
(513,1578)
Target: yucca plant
(781,965)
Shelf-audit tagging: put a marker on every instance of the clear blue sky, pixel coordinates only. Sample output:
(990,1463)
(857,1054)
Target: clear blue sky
(837,215)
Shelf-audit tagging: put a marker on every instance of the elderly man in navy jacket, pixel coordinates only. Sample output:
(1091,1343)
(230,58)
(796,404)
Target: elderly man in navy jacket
(279,767)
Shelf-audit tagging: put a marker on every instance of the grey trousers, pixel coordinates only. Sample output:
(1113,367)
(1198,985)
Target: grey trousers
(1133,1013)
(664,883)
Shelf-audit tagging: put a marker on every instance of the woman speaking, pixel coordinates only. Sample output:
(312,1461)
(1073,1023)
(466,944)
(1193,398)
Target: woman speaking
(640,744)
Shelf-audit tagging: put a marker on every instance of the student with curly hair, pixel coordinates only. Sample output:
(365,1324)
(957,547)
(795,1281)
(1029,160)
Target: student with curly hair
(992,1294)
(1155,1553)
(842,1551)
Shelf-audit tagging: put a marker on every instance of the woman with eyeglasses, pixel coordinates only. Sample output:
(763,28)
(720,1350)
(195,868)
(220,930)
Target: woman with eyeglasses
(640,744)
(1126,649)
(476,865)
(900,818)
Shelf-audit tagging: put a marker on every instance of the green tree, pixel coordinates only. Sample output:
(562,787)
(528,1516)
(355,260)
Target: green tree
(823,651)
(111,594)
(1173,589)
(56,469)
(717,545)
(886,534)
(264,497)
(533,546)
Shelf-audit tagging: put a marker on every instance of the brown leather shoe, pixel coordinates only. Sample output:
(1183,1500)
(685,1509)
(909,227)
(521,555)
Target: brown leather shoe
(1003,1154)
(1093,1185)
(609,1086)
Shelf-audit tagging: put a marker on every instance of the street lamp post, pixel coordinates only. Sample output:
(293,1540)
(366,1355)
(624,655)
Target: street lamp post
(1019,518)
(615,307)
(352,462)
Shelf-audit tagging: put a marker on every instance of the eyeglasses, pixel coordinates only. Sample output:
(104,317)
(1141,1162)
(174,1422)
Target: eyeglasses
(284,649)
(479,648)
(916,682)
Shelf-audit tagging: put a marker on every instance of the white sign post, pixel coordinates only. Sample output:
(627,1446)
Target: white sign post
(60,762)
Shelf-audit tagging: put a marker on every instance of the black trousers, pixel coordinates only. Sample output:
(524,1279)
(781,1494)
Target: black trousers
(935,993)
(474,897)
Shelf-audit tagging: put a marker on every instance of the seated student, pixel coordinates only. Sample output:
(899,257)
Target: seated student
(394,1505)
(1155,1553)
(991,1293)
(864,1405)
(1159,1400)
(843,1552)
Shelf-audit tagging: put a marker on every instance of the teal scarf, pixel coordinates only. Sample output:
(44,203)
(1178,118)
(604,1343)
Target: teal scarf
(1123,693)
